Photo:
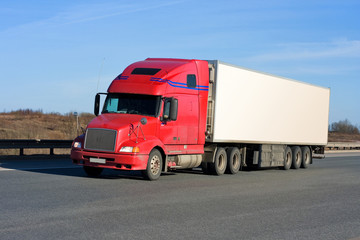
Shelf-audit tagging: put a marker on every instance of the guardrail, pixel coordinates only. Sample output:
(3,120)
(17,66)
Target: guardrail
(37,143)
(51,144)
(343,145)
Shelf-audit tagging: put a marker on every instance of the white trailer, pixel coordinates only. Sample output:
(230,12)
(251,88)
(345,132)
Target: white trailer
(268,118)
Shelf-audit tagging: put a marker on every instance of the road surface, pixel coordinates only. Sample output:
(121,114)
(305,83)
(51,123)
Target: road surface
(49,198)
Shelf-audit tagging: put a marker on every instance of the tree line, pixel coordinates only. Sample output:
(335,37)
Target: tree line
(344,126)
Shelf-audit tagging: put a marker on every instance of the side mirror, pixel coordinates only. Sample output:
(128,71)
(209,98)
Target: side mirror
(97,104)
(170,110)
(173,109)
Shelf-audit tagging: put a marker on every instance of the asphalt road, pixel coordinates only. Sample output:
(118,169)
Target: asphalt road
(49,198)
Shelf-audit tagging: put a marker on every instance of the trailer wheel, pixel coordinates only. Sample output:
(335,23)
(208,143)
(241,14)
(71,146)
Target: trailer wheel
(306,157)
(233,160)
(93,171)
(296,157)
(154,166)
(218,167)
(287,158)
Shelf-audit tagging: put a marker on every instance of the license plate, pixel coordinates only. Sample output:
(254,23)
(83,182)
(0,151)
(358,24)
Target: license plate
(98,160)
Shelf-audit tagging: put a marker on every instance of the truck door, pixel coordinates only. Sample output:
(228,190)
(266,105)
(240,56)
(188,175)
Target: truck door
(168,129)
(185,129)
(188,119)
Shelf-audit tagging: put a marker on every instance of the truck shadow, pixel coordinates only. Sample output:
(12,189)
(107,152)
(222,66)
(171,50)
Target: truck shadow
(199,171)
(61,165)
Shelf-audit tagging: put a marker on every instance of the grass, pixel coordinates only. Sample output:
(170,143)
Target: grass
(30,124)
(343,137)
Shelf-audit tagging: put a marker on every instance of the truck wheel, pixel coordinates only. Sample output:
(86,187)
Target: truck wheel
(233,160)
(205,168)
(306,157)
(93,171)
(218,167)
(296,157)
(287,158)
(154,166)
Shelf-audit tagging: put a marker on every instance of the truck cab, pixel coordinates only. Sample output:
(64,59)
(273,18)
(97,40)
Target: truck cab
(153,118)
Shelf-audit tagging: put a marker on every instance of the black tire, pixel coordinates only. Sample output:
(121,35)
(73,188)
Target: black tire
(205,168)
(287,158)
(218,167)
(233,160)
(154,165)
(306,157)
(296,157)
(93,171)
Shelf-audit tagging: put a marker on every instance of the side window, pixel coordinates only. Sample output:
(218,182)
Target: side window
(191,81)
(112,105)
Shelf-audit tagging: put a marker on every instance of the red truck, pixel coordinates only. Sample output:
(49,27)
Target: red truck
(165,114)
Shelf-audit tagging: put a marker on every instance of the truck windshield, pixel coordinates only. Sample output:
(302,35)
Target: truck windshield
(132,104)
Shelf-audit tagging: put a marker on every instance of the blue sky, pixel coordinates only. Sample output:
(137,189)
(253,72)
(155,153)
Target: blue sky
(55,55)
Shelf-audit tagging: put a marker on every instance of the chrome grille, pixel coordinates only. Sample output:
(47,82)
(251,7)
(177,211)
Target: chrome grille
(100,139)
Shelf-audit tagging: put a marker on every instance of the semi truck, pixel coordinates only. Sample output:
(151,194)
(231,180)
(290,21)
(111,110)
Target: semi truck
(164,114)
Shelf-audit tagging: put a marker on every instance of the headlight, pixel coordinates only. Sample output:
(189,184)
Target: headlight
(130,149)
(77,145)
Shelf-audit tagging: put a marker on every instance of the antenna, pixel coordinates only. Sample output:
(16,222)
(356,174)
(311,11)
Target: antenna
(100,71)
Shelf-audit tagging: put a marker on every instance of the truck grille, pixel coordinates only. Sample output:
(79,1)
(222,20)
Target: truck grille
(100,139)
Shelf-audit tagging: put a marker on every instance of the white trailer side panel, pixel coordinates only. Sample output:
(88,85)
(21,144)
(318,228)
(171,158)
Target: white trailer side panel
(253,107)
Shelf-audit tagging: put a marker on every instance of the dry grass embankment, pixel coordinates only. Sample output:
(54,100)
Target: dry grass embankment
(343,137)
(29,124)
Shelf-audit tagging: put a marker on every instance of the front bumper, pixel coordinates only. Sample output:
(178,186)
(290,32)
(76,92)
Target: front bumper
(112,160)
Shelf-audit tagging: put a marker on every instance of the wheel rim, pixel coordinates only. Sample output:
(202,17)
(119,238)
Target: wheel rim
(307,158)
(236,161)
(221,162)
(288,158)
(298,159)
(155,165)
